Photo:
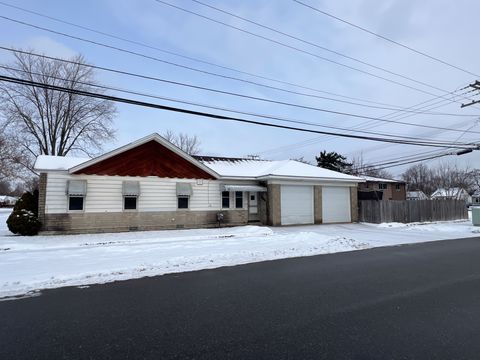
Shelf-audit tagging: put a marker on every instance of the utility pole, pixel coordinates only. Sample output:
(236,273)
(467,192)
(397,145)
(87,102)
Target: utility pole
(475,88)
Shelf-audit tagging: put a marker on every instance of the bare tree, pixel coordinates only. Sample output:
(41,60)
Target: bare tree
(359,167)
(49,122)
(11,159)
(448,175)
(189,144)
(445,175)
(302,160)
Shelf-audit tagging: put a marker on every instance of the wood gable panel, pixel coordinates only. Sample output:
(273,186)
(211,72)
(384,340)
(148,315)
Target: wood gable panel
(149,159)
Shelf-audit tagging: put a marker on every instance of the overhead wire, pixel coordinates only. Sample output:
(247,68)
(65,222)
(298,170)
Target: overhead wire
(423,53)
(267,116)
(236,94)
(302,50)
(212,115)
(191,58)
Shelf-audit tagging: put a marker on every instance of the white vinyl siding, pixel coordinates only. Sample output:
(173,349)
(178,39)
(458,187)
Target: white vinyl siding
(336,206)
(105,193)
(296,204)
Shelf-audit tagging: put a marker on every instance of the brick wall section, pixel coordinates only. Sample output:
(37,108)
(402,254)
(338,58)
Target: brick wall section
(317,204)
(274,205)
(42,192)
(263,207)
(400,194)
(354,203)
(130,221)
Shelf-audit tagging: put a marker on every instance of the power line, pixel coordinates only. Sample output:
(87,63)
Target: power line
(266,116)
(205,72)
(138,43)
(315,140)
(305,107)
(237,94)
(210,115)
(316,55)
(385,38)
(414,161)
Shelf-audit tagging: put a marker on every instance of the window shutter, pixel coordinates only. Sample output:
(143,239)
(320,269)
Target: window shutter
(131,188)
(184,189)
(77,187)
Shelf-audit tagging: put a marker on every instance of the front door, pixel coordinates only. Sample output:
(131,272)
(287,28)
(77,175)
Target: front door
(253,206)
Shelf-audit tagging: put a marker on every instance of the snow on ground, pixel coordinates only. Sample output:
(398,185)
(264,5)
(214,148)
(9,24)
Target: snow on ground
(29,264)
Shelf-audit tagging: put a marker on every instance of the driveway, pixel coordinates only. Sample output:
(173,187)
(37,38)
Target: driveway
(417,301)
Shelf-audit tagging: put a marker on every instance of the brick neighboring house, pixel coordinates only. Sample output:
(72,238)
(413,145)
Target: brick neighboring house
(390,189)
(151,184)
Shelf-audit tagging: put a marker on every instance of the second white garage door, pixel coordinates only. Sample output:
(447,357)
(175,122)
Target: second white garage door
(296,204)
(336,204)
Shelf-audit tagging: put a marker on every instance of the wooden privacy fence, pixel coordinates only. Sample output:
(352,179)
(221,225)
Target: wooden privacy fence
(406,211)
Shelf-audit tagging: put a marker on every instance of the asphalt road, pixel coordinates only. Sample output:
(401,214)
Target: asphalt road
(407,302)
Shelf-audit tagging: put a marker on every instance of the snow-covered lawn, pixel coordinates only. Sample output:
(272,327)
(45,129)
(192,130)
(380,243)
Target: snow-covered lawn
(28,264)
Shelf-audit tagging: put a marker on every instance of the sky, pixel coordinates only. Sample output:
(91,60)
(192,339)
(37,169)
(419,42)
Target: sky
(443,29)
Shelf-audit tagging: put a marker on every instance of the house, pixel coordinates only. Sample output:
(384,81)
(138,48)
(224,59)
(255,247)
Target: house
(416,195)
(455,193)
(381,189)
(476,198)
(7,201)
(152,184)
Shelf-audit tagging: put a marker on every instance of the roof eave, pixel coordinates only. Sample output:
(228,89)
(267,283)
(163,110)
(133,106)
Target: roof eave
(308,178)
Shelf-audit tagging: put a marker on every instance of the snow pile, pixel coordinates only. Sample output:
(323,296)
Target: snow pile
(28,264)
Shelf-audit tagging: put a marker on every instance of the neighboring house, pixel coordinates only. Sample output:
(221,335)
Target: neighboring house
(476,198)
(416,195)
(152,184)
(7,201)
(389,189)
(455,193)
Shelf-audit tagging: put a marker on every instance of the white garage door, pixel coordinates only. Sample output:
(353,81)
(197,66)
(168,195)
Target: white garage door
(296,204)
(336,204)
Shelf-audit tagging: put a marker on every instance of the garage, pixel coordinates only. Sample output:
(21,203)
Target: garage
(336,204)
(296,204)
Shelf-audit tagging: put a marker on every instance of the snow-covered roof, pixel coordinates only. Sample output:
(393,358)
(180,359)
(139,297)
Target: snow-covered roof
(449,192)
(219,167)
(246,168)
(50,162)
(7,198)
(239,168)
(375,179)
(416,194)
(476,193)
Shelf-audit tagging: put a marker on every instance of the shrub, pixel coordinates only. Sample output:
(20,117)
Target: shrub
(24,218)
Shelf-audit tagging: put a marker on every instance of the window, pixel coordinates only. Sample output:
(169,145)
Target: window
(382,186)
(183,202)
(131,192)
(130,203)
(225,199)
(75,203)
(76,191)
(397,187)
(238,199)
(184,191)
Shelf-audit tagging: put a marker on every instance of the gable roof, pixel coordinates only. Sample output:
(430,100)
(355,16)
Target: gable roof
(121,162)
(152,138)
(449,192)
(416,193)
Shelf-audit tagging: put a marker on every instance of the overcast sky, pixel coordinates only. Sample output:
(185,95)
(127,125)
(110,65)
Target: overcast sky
(444,29)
